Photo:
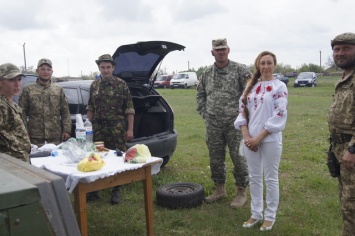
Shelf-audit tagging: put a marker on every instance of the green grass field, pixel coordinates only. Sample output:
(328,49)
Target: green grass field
(308,195)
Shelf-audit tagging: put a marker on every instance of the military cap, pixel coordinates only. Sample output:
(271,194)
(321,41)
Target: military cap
(105,58)
(219,43)
(44,61)
(345,38)
(9,71)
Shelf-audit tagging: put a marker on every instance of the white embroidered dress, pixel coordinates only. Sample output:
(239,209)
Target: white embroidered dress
(267,105)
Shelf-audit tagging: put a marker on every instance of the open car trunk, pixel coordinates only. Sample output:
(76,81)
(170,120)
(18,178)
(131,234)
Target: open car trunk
(136,63)
(153,122)
(151,117)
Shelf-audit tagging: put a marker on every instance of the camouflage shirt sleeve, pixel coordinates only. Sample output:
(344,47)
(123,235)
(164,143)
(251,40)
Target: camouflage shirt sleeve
(245,75)
(14,139)
(201,92)
(90,106)
(24,102)
(65,113)
(129,107)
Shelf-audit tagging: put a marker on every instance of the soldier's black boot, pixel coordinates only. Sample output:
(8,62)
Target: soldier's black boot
(115,197)
(92,196)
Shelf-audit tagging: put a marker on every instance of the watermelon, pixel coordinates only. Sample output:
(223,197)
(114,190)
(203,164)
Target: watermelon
(138,153)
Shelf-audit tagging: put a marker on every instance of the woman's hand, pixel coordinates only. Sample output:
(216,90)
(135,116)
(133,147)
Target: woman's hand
(251,143)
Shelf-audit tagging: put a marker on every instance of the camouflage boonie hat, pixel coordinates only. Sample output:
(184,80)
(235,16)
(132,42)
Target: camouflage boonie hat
(105,58)
(9,71)
(44,61)
(345,38)
(219,43)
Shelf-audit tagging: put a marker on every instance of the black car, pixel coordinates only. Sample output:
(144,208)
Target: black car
(281,77)
(154,118)
(306,79)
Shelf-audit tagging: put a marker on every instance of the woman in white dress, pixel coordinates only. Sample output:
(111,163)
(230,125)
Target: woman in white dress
(262,117)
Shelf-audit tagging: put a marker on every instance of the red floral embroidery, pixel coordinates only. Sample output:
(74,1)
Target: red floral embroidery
(268,88)
(258,89)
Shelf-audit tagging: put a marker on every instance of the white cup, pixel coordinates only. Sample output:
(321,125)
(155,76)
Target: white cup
(79,119)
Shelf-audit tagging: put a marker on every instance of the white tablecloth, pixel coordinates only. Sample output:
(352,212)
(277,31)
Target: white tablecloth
(60,165)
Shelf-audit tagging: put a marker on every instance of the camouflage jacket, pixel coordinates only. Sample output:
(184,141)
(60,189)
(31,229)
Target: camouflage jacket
(110,100)
(341,116)
(14,139)
(47,109)
(219,90)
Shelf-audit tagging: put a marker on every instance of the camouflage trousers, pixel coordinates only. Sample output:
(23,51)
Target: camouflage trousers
(346,192)
(218,137)
(112,136)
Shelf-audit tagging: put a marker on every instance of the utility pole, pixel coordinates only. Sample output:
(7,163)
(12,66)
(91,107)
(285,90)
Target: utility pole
(320,61)
(24,56)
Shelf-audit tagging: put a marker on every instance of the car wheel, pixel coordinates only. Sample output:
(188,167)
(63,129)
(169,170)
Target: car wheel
(180,195)
(165,161)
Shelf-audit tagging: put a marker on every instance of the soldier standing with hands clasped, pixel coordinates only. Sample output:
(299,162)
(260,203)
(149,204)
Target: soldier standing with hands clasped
(341,120)
(218,91)
(110,107)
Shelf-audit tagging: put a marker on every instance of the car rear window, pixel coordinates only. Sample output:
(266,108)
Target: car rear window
(73,99)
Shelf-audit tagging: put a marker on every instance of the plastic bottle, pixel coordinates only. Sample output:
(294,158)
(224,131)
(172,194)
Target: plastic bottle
(80,135)
(89,135)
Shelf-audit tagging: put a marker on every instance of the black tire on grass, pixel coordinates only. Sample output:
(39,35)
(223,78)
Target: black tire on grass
(180,195)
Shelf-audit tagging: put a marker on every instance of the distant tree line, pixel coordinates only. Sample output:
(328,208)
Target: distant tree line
(280,68)
(284,68)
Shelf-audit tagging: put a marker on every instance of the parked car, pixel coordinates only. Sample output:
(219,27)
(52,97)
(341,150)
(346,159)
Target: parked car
(154,118)
(281,77)
(163,81)
(306,79)
(183,80)
(291,74)
(27,79)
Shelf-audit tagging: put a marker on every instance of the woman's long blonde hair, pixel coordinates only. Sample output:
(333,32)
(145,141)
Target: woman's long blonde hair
(254,80)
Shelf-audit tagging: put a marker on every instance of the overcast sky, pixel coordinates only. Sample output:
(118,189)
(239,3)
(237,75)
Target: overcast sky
(73,34)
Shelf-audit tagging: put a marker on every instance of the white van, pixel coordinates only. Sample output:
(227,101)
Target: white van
(183,80)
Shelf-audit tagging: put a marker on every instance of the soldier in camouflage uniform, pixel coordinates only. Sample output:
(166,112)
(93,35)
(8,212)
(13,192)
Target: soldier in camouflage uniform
(14,139)
(47,108)
(110,107)
(218,91)
(341,120)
